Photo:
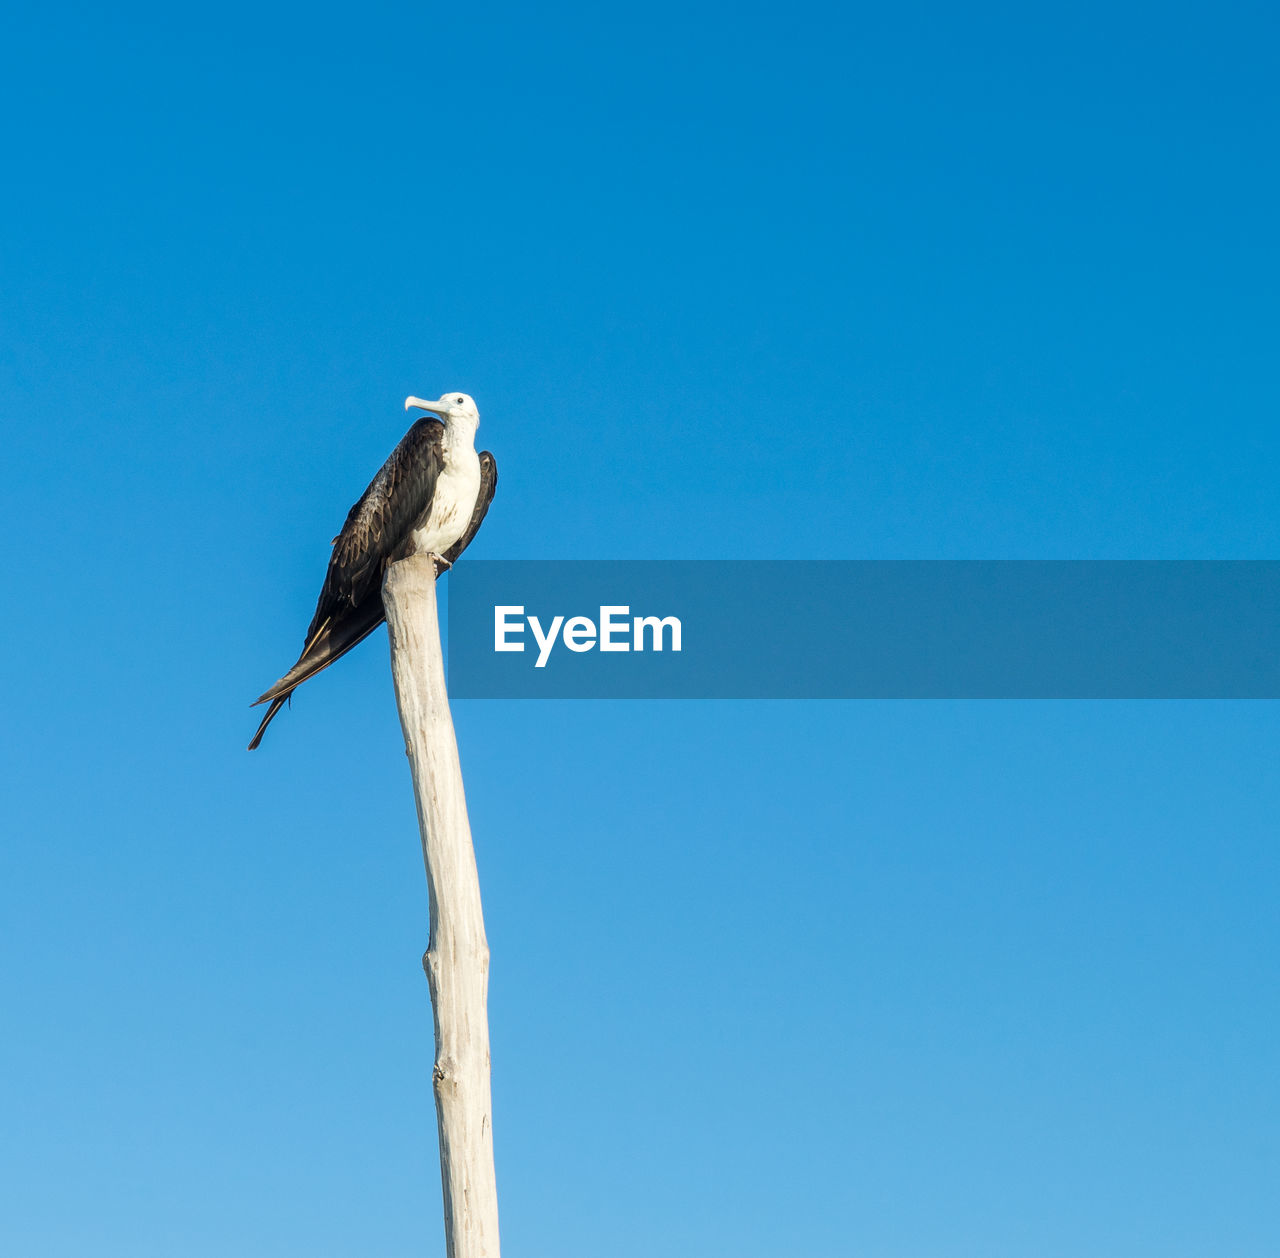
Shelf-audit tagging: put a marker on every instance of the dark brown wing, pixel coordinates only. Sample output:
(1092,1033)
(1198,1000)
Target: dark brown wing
(334,640)
(488,483)
(350,603)
(397,498)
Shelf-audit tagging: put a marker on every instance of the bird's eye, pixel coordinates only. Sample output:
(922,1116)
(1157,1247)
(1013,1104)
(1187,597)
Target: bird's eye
(460,402)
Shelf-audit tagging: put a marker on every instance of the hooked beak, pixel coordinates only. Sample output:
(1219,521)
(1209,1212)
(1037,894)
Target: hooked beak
(436,408)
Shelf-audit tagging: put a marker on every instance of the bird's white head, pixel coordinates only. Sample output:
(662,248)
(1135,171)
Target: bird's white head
(451,407)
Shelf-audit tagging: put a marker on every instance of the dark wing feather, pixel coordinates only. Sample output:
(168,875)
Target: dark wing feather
(333,641)
(380,522)
(488,483)
(377,527)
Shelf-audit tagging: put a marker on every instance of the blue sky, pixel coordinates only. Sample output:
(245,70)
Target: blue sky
(901,980)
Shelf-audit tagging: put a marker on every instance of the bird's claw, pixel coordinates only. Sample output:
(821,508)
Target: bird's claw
(441,563)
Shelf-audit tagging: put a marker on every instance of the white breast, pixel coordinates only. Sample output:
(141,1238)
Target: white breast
(455,495)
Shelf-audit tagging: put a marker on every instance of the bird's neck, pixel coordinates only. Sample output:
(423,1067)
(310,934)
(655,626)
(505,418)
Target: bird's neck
(460,432)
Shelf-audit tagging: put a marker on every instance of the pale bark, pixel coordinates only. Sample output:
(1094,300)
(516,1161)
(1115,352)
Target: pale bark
(457,958)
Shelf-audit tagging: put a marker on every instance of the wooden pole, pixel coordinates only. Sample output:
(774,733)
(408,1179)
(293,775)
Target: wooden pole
(457,957)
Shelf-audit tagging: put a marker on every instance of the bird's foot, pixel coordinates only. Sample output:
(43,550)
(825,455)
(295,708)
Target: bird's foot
(440,562)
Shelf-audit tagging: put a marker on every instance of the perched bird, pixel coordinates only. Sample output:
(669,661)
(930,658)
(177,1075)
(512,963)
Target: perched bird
(429,498)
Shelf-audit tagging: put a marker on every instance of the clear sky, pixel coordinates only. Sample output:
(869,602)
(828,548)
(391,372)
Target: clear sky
(880,980)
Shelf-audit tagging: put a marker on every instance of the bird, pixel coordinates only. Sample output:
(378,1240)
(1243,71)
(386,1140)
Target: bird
(429,497)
